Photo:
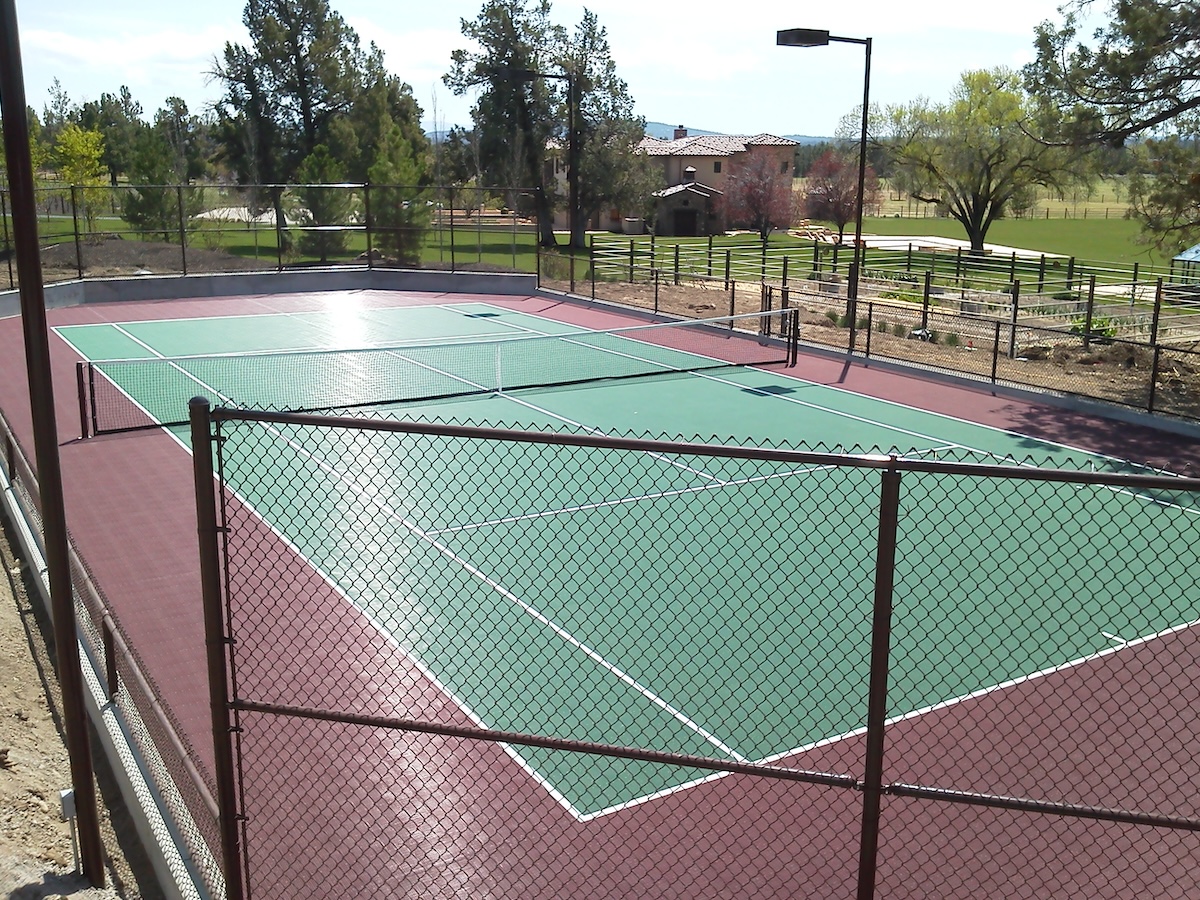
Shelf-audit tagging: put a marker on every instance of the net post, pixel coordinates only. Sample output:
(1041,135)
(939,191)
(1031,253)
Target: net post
(80,387)
(795,328)
(881,636)
(732,301)
(215,642)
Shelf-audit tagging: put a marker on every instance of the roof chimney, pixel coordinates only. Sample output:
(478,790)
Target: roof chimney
(680,132)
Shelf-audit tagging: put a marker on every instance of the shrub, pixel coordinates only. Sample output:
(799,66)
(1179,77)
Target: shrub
(832,316)
(900,330)
(882,327)
(863,323)
(952,340)
(1104,329)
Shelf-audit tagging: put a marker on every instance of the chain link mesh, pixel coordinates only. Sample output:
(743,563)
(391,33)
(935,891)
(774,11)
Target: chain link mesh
(496,664)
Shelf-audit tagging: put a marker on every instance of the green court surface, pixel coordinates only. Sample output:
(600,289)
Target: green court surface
(689,604)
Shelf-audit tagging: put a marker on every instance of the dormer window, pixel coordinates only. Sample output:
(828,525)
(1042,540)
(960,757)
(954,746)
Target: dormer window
(689,174)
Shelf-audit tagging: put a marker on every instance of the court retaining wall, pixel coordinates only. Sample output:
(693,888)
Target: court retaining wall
(177,287)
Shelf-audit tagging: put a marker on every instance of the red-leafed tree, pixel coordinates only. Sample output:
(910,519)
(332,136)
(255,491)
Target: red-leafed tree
(759,195)
(832,190)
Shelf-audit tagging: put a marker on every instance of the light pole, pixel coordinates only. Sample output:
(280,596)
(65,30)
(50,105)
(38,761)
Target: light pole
(574,226)
(811,37)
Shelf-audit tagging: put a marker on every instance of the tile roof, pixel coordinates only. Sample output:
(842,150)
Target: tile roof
(711,144)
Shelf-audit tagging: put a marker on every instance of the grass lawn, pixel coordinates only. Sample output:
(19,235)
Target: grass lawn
(1094,240)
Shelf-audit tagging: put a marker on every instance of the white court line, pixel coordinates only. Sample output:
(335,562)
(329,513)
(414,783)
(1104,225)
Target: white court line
(561,632)
(913,714)
(911,433)
(416,531)
(621,501)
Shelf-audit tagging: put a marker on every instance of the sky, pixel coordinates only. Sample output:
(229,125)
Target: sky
(700,64)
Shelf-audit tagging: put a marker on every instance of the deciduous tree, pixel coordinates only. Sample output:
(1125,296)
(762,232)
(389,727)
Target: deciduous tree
(759,196)
(973,155)
(831,190)
(79,156)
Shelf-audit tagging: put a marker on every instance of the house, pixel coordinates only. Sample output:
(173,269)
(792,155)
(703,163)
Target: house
(694,172)
(695,169)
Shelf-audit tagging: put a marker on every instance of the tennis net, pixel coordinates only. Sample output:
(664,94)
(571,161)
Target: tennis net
(131,394)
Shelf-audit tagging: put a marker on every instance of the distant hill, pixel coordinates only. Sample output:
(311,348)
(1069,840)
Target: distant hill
(665,132)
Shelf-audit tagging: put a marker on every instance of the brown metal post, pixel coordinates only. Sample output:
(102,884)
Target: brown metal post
(75,229)
(45,437)
(1089,313)
(4,219)
(881,638)
(182,226)
(369,225)
(215,642)
(1016,311)
(1158,296)
(925,300)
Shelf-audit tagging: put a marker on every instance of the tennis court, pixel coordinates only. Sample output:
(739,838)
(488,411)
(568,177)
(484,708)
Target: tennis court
(652,643)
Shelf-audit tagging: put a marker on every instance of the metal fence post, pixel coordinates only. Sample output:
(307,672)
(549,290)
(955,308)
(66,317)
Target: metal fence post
(75,228)
(1042,275)
(368,224)
(1016,309)
(215,641)
(1153,379)
(1158,295)
(728,260)
(881,638)
(591,262)
(1089,313)
(995,351)
(925,300)
(675,281)
(7,245)
(182,227)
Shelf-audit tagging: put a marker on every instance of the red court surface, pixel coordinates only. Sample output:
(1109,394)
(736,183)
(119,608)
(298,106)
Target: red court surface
(457,819)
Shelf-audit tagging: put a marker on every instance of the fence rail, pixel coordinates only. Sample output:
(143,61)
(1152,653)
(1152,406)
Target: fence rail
(1026,633)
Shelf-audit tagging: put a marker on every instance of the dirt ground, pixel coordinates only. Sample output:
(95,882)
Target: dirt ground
(37,858)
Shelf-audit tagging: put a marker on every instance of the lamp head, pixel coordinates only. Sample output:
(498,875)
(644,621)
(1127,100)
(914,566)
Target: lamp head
(801,37)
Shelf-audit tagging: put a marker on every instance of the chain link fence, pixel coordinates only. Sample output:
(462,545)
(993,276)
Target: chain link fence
(95,231)
(179,784)
(476,661)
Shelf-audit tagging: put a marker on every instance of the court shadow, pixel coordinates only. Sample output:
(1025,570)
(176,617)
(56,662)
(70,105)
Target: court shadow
(779,389)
